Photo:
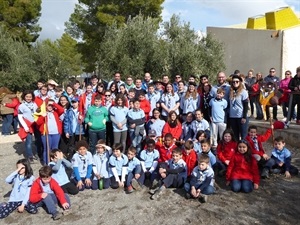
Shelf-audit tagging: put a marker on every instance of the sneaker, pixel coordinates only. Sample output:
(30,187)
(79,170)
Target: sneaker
(155,184)
(158,193)
(2,204)
(66,212)
(31,160)
(57,216)
(203,198)
(222,173)
(152,191)
(265,173)
(275,171)
(188,195)
(135,184)
(129,189)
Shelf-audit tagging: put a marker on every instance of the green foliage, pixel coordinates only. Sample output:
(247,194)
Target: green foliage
(20,17)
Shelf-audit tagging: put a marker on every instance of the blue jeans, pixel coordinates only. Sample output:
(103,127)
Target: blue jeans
(259,112)
(94,136)
(241,185)
(136,140)
(7,121)
(50,202)
(53,141)
(28,146)
(130,177)
(206,191)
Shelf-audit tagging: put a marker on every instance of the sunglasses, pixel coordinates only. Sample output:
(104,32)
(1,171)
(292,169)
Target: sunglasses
(107,95)
(177,77)
(235,81)
(287,74)
(272,71)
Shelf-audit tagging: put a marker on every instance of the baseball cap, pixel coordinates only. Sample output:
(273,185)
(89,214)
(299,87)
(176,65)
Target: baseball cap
(152,133)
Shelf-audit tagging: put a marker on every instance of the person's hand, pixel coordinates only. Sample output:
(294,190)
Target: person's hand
(79,184)
(90,124)
(60,155)
(255,186)
(44,195)
(20,167)
(88,182)
(265,156)
(67,135)
(280,164)
(65,205)
(287,174)
(132,125)
(227,183)
(193,191)
(162,170)
(121,184)
(243,120)
(137,176)
(27,130)
(119,125)
(97,175)
(21,208)
(163,175)
(227,162)
(44,114)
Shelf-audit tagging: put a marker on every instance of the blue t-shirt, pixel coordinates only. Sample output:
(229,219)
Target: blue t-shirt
(236,104)
(118,163)
(149,157)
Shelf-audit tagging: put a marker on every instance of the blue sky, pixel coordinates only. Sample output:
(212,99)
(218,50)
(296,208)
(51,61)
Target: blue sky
(200,13)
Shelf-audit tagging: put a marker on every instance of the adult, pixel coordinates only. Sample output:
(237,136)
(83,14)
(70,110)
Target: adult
(147,80)
(190,101)
(256,95)
(272,78)
(138,87)
(294,86)
(94,81)
(129,83)
(51,84)
(238,107)
(284,86)
(221,82)
(181,88)
(249,82)
(203,81)
(117,80)
(175,84)
(169,101)
(6,112)
(153,97)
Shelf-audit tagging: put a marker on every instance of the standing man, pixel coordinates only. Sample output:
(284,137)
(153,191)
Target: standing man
(138,87)
(146,82)
(221,79)
(272,78)
(117,79)
(175,84)
(294,85)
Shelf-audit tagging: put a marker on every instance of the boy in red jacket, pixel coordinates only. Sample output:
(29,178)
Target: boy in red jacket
(46,191)
(165,150)
(189,156)
(145,105)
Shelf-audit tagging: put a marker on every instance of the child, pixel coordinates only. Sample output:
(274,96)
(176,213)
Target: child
(59,164)
(202,180)
(96,118)
(149,160)
(225,150)
(205,146)
(136,121)
(22,180)
(100,165)
(135,177)
(201,135)
(82,163)
(118,163)
(200,124)
(189,156)
(165,150)
(45,191)
(242,172)
(255,141)
(58,93)
(173,173)
(280,159)
(218,106)
(187,131)
(145,105)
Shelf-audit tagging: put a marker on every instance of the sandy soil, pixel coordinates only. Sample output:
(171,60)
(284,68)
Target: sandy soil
(276,202)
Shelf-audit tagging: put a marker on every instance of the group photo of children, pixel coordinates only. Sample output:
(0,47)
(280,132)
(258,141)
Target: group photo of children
(141,134)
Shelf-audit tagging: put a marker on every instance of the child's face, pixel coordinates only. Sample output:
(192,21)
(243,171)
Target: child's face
(252,133)
(75,105)
(46,180)
(168,141)
(188,151)
(82,150)
(227,137)
(220,95)
(97,102)
(131,94)
(21,169)
(176,157)
(58,93)
(242,148)
(100,149)
(150,147)
(40,85)
(117,153)
(28,97)
(189,118)
(151,89)
(203,166)
(198,115)
(279,145)
(130,155)
(201,137)
(49,107)
(89,89)
(120,102)
(136,105)
(205,147)
(173,117)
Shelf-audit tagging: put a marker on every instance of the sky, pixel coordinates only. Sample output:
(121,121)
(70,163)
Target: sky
(199,13)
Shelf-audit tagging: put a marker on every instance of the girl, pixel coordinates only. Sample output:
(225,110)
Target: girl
(200,124)
(64,141)
(205,98)
(100,166)
(190,101)
(225,150)
(69,93)
(155,123)
(99,91)
(173,126)
(118,116)
(169,101)
(21,179)
(187,131)
(242,172)
(114,90)
(201,135)
(86,100)
(284,86)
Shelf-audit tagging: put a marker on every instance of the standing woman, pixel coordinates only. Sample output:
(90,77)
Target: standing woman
(114,90)
(155,123)
(284,86)
(27,124)
(99,91)
(190,101)
(118,117)
(238,108)
(169,101)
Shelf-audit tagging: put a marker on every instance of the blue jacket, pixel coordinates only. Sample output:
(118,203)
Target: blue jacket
(69,120)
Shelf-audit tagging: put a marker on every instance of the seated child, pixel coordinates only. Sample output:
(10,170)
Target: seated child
(205,146)
(58,164)
(173,173)
(22,180)
(189,156)
(118,163)
(242,172)
(202,180)
(45,191)
(135,177)
(100,165)
(149,160)
(82,162)
(201,135)
(280,159)
(165,150)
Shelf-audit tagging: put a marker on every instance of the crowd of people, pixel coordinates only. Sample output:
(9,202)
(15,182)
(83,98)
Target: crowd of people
(128,134)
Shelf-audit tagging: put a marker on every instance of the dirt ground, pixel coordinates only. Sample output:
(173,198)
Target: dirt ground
(276,202)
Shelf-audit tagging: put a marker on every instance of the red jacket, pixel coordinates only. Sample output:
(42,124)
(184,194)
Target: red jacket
(240,169)
(94,95)
(190,160)
(146,107)
(14,104)
(82,102)
(57,111)
(165,153)
(176,131)
(22,133)
(226,150)
(260,139)
(37,191)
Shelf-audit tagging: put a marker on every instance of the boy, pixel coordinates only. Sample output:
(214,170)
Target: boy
(217,115)
(205,146)
(202,180)
(200,124)
(153,97)
(82,163)
(136,122)
(173,173)
(189,156)
(46,191)
(135,174)
(145,105)
(58,92)
(280,159)
(165,150)
(96,118)
(149,160)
